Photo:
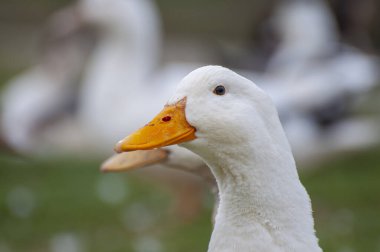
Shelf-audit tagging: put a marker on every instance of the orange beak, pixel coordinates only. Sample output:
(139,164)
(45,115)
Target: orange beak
(167,128)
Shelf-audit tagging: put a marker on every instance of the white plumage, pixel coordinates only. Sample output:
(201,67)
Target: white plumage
(263,205)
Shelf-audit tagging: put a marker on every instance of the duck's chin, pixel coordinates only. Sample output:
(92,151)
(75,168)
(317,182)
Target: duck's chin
(191,146)
(199,146)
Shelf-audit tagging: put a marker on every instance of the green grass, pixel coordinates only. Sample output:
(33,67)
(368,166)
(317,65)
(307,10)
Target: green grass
(66,201)
(346,202)
(345,195)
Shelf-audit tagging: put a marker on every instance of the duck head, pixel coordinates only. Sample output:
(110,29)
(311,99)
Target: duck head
(212,108)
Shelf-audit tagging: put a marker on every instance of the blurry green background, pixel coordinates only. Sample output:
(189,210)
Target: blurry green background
(68,208)
(68,205)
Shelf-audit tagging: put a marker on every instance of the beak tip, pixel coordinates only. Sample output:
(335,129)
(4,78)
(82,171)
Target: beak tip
(103,169)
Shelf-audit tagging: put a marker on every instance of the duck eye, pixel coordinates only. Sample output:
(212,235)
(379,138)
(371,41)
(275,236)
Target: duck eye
(220,90)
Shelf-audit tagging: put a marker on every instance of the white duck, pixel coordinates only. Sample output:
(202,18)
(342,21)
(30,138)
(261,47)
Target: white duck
(234,127)
(310,48)
(41,95)
(314,79)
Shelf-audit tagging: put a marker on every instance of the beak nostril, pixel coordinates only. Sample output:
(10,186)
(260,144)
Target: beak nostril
(166,118)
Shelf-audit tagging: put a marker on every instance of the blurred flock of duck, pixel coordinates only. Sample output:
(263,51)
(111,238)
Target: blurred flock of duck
(103,74)
(89,84)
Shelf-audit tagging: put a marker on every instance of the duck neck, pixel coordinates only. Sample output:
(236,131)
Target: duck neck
(263,205)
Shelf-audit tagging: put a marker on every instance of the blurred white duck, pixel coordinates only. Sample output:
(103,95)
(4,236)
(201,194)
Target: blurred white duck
(40,96)
(234,127)
(310,46)
(313,78)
